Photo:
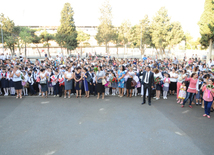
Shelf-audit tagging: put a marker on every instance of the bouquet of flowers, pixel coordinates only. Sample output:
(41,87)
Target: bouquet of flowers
(210,86)
(95,69)
(114,79)
(22,77)
(157,80)
(111,79)
(61,82)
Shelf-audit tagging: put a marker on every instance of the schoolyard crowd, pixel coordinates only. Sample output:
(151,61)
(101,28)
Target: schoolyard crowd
(187,79)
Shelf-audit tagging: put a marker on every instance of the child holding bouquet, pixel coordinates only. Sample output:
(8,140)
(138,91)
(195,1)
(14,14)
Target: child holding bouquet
(208,97)
(166,82)
(182,93)
(113,83)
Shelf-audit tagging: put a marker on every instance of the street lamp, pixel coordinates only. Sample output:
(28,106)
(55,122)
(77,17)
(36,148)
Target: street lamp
(2,38)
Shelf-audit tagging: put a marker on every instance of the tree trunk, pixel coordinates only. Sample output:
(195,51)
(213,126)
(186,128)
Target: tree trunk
(38,51)
(117,53)
(62,51)
(106,47)
(25,50)
(67,52)
(80,51)
(48,51)
(209,56)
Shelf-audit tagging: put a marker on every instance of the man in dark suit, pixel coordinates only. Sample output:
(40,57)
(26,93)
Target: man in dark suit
(148,83)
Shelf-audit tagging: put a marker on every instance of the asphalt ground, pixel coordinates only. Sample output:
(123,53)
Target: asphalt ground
(113,126)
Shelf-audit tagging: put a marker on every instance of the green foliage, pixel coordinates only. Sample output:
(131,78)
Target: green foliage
(124,32)
(25,36)
(9,33)
(66,34)
(140,34)
(82,37)
(175,35)
(206,23)
(106,32)
(190,43)
(46,38)
(164,33)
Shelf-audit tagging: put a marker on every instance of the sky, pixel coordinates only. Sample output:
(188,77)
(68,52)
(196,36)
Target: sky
(86,12)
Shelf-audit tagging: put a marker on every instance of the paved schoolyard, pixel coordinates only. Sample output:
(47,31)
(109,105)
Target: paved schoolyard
(113,126)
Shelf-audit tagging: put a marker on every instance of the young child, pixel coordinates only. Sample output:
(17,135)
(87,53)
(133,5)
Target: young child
(135,90)
(31,82)
(11,85)
(4,82)
(113,83)
(55,83)
(199,95)
(182,93)
(107,84)
(50,87)
(24,82)
(166,82)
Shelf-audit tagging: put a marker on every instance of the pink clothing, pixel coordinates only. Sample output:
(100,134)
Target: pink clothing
(208,95)
(193,85)
(178,88)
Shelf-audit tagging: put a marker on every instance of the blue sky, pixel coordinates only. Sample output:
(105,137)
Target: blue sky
(47,12)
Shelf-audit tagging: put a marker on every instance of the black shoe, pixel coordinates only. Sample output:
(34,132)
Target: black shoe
(149,104)
(143,103)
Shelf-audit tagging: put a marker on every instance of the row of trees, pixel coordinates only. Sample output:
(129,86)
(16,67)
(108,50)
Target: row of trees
(67,36)
(206,25)
(160,33)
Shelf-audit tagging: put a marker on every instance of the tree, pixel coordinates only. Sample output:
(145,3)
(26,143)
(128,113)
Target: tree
(26,37)
(141,35)
(46,38)
(206,25)
(160,28)
(66,33)
(36,40)
(10,37)
(60,39)
(81,38)
(175,35)
(124,33)
(106,31)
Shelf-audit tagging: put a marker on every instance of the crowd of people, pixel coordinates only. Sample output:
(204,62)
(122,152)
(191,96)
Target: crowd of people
(187,79)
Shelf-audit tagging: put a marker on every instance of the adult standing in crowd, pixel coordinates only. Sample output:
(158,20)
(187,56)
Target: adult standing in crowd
(148,83)
(69,76)
(173,81)
(100,75)
(129,87)
(159,77)
(78,82)
(43,83)
(121,80)
(16,74)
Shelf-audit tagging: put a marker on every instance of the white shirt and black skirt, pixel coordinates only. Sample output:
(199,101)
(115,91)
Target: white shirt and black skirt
(100,86)
(17,80)
(129,80)
(44,87)
(173,82)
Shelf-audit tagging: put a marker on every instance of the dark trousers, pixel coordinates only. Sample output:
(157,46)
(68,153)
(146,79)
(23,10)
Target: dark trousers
(207,106)
(91,88)
(32,91)
(145,87)
(57,89)
(189,96)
